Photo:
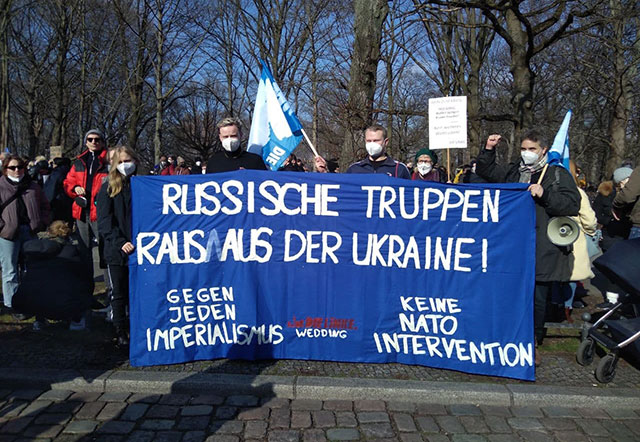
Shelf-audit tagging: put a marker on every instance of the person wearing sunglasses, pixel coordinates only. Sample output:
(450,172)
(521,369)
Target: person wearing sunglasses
(24,210)
(82,185)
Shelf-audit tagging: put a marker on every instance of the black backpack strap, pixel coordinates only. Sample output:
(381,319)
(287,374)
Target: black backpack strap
(11,199)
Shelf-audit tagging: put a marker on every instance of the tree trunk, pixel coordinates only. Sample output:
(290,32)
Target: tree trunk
(623,74)
(83,75)
(391,149)
(5,18)
(30,107)
(159,86)
(523,79)
(369,18)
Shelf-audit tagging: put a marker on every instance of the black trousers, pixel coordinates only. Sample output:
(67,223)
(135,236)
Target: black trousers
(119,276)
(542,295)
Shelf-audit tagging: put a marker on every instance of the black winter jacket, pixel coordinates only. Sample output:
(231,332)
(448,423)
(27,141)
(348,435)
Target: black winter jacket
(560,198)
(114,222)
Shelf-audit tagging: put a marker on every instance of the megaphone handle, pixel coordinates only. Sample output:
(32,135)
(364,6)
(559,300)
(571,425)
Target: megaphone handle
(544,170)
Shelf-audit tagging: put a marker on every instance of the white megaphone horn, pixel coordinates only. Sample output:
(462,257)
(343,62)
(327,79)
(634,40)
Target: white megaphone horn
(562,231)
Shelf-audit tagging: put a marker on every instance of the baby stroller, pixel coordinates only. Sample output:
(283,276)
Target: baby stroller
(618,329)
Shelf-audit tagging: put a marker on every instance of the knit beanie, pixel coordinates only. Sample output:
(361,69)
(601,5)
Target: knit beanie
(92,132)
(425,151)
(621,173)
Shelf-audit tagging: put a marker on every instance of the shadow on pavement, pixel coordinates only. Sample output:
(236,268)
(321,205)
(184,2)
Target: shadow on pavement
(183,413)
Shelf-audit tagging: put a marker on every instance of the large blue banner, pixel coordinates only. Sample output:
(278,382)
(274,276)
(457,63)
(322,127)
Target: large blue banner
(361,268)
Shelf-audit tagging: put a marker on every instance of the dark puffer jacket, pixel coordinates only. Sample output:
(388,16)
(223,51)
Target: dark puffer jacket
(114,222)
(560,198)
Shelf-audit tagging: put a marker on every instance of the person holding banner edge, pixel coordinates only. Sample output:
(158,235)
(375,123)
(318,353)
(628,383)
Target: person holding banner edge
(114,225)
(232,157)
(377,160)
(555,194)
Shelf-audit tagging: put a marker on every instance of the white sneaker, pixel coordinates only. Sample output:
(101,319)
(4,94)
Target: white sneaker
(40,325)
(80,325)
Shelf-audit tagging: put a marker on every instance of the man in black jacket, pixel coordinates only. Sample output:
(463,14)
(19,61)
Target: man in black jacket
(232,157)
(556,194)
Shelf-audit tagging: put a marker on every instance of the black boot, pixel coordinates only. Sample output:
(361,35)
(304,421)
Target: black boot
(122,337)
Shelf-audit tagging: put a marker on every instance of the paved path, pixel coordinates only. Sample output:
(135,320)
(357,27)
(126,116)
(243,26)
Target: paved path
(63,415)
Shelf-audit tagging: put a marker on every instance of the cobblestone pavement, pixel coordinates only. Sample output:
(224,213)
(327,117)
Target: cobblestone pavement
(62,415)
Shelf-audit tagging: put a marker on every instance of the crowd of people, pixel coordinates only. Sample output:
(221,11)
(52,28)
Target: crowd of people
(92,195)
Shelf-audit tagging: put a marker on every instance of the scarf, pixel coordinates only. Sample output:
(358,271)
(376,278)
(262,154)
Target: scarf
(527,171)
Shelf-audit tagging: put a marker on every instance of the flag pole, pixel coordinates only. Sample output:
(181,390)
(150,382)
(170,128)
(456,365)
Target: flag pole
(313,149)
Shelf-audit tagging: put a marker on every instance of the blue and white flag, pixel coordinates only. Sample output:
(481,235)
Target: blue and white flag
(559,152)
(275,128)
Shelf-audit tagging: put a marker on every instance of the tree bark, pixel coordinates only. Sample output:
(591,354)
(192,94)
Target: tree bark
(159,76)
(369,18)
(623,74)
(5,19)
(523,77)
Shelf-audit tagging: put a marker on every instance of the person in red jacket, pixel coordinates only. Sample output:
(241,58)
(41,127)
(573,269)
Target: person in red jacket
(83,183)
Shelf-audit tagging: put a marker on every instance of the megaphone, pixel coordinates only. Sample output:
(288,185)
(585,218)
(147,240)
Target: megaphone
(562,231)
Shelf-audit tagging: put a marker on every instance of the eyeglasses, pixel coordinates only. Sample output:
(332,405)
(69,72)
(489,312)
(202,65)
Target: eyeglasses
(94,140)
(15,167)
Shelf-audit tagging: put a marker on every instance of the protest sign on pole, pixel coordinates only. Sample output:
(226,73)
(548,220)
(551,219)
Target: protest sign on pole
(361,268)
(448,124)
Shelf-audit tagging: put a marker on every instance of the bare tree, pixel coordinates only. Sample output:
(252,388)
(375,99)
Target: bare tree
(64,16)
(5,19)
(527,29)
(369,19)
(460,39)
(624,45)
(135,37)
(173,38)
(193,128)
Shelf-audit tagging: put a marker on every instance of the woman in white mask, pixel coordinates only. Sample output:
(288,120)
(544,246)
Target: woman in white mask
(24,210)
(114,224)
(425,171)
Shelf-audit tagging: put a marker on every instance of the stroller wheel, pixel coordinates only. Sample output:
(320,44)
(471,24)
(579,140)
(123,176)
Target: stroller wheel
(584,355)
(606,369)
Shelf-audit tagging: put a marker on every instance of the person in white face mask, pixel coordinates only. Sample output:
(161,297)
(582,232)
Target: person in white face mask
(556,194)
(377,160)
(24,210)
(425,164)
(114,225)
(232,156)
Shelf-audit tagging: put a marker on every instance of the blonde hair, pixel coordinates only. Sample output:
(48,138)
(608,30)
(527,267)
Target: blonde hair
(230,121)
(58,229)
(116,180)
